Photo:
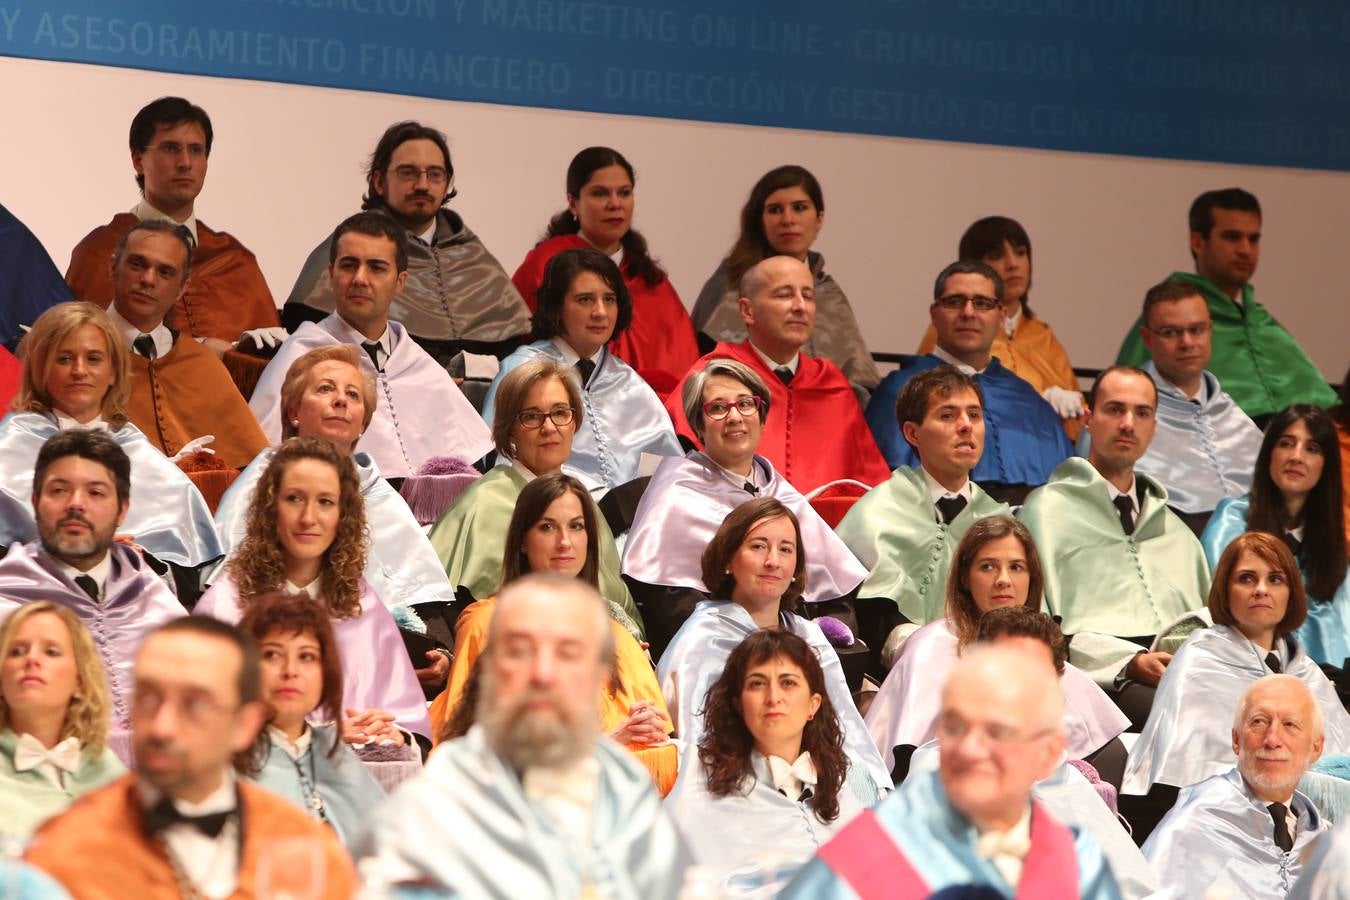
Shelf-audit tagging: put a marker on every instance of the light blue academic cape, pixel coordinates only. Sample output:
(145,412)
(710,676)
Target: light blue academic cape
(1325,634)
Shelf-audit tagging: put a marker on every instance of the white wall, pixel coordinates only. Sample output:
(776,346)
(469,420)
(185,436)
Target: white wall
(288,162)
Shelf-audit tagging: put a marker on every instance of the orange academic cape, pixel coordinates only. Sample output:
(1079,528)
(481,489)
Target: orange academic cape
(815,432)
(98,849)
(226,294)
(188,393)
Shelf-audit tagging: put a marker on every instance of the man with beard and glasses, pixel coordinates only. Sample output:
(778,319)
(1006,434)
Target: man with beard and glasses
(532,801)
(1242,834)
(81,486)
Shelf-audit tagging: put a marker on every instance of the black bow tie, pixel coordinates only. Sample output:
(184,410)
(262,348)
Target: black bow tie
(165,815)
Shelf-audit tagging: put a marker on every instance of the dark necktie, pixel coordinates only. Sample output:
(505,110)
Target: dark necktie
(144,345)
(1278,811)
(165,815)
(1125,506)
(373,348)
(1294,544)
(88,585)
(585,367)
(784,374)
(1273,663)
(950,507)
(749,488)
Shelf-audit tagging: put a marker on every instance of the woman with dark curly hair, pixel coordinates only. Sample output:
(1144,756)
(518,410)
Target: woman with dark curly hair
(769,782)
(307,535)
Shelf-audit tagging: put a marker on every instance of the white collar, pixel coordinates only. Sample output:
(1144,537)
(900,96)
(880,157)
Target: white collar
(222,799)
(385,340)
(936,491)
(774,364)
(429,236)
(310,590)
(99,572)
(523,470)
(297,749)
(1278,647)
(571,356)
(1015,842)
(961,367)
(755,478)
(792,778)
(145,212)
(1132,493)
(64,421)
(160,334)
(1011,322)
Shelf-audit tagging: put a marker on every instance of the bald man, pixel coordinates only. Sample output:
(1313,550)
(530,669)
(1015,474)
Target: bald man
(533,801)
(974,821)
(1241,834)
(815,432)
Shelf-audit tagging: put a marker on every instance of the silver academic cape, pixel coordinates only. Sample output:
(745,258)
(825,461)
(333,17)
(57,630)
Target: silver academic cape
(1220,837)
(1188,736)
(135,602)
(167,515)
(466,826)
(420,412)
(698,654)
(684,505)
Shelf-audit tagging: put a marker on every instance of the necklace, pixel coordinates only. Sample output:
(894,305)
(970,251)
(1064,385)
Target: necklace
(308,782)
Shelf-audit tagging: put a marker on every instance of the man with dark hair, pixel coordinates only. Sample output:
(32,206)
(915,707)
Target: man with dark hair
(1023,435)
(1255,359)
(458,298)
(421,412)
(170,144)
(182,397)
(183,824)
(81,492)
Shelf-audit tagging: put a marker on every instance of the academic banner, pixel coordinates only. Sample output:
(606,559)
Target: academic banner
(1264,82)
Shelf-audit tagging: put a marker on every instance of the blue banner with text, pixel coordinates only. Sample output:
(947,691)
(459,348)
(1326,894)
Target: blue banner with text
(1263,82)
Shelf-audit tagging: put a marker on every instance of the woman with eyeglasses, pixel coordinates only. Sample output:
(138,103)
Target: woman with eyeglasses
(583,305)
(658,340)
(1297,496)
(726,405)
(536,414)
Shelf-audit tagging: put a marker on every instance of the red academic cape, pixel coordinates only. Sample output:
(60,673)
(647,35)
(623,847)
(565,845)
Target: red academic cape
(815,432)
(659,339)
(98,848)
(11,373)
(226,294)
(188,393)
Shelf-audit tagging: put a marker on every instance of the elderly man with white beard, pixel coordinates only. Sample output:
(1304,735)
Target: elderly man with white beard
(1242,833)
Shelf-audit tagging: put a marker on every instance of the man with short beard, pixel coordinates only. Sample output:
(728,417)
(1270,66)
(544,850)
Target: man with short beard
(81,486)
(1242,833)
(532,801)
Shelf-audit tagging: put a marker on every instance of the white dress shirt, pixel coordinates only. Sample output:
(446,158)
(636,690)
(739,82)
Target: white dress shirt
(961,367)
(1008,850)
(774,364)
(64,421)
(160,334)
(210,863)
(99,572)
(1128,492)
(566,796)
(385,340)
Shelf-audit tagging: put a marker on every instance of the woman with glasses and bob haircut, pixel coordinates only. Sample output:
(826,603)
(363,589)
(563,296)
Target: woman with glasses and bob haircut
(726,404)
(755,568)
(1257,602)
(535,417)
(584,304)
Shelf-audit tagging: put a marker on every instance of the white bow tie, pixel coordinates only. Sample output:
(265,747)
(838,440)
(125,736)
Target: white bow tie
(29,754)
(791,778)
(1014,843)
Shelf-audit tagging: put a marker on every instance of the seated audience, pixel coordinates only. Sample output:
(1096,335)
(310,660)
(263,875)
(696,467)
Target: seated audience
(423,413)
(306,763)
(1025,345)
(583,304)
(1256,360)
(555,528)
(1297,496)
(75,375)
(1024,439)
(726,404)
(533,801)
(1119,565)
(53,716)
(782,217)
(30,283)
(537,413)
(905,529)
(80,499)
(659,341)
(756,561)
(1242,832)
(769,781)
(820,436)
(170,146)
(180,391)
(307,535)
(974,822)
(457,297)
(995,566)
(182,825)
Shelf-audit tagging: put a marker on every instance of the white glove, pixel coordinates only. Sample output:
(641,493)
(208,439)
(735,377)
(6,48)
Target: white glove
(1067,404)
(264,338)
(193,446)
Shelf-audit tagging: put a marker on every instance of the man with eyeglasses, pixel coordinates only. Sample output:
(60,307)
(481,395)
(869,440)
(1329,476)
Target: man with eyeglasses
(1024,439)
(183,825)
(458,297)
(1255,359)
(1205,445)
(421,412)
(170,146)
